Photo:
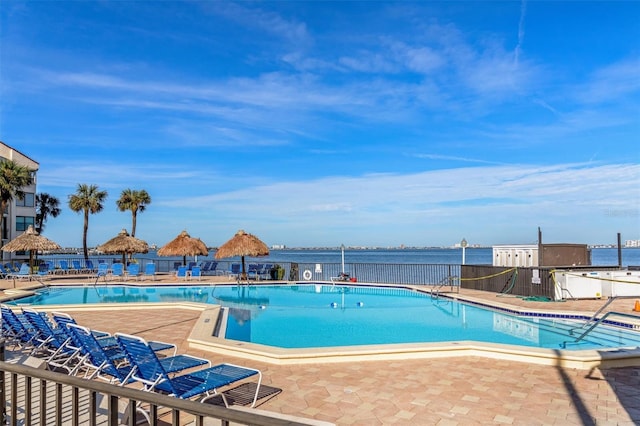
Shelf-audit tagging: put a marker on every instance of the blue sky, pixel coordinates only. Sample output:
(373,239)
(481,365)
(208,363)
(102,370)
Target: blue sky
(322,123)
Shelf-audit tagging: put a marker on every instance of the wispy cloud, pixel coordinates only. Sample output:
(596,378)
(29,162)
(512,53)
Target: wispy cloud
(453,158)
(518,192)
(614,82)
(546,105)
(383,191)
(518,49)
(255,17)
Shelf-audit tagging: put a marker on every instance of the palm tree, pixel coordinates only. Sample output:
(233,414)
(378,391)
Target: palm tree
(46,205)
(133,200)
(13,177)
(89,200)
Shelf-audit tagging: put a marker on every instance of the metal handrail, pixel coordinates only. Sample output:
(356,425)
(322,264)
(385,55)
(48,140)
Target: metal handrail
(594,316)
(447,281)
(602,308)
(599,321)
(132,396)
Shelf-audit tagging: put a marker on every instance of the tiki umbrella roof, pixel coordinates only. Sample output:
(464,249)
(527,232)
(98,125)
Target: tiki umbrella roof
(125,244)
(242,244)
(184,245)
(30,240)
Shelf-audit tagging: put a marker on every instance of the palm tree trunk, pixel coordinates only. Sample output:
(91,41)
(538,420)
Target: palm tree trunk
(133,228)
(84,235)
(243,276)
(133,223)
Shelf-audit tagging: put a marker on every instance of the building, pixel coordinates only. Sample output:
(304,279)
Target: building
(20,212)
(534,255)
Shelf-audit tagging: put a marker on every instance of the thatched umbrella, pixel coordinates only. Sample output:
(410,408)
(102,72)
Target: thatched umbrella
(242,244)
(125,244)
(32,241)
(184,245)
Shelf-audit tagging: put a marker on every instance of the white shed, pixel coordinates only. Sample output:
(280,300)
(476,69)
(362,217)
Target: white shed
(521,255)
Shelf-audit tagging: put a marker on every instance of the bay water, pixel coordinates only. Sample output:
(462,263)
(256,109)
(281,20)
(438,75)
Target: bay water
(473,256)
(452,256)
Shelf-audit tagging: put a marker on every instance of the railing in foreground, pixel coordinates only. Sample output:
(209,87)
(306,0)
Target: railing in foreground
(30,395)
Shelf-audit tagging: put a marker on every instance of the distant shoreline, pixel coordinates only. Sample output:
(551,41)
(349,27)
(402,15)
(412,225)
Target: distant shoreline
(93,252)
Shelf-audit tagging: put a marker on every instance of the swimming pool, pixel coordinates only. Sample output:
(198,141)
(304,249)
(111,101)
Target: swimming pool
(317,315)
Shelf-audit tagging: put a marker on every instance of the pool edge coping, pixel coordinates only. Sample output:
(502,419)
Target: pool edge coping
(200,339)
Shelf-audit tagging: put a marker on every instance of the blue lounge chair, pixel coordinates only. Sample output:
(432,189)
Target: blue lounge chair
(76,267)
(170,364)
(213,269)
(102,272)
(195,273)
(22,274)
(181,273)
(133,270)
(89,266)
(4,272)
(64,266)
(20,330)
(252,271)
(117,270)
(151,373)
(63,320)
(120,368)
(235,271)
(55,343)
(149,271)
(44,270)
(11,268)
(259,271)
(205,266)
(265,271)
(10,337)
(107,363)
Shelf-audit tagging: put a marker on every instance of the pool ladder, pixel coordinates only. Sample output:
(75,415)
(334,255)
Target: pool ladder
(447,281)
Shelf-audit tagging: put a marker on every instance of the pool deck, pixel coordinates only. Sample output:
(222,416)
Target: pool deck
(467,390)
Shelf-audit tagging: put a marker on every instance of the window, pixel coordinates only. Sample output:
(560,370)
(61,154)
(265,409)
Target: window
(23,222)
(27,201)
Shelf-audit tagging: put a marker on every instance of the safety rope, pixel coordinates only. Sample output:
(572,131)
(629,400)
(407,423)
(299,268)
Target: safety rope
(489,276)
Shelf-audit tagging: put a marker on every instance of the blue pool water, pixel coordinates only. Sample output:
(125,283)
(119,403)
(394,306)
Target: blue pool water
(300,316)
